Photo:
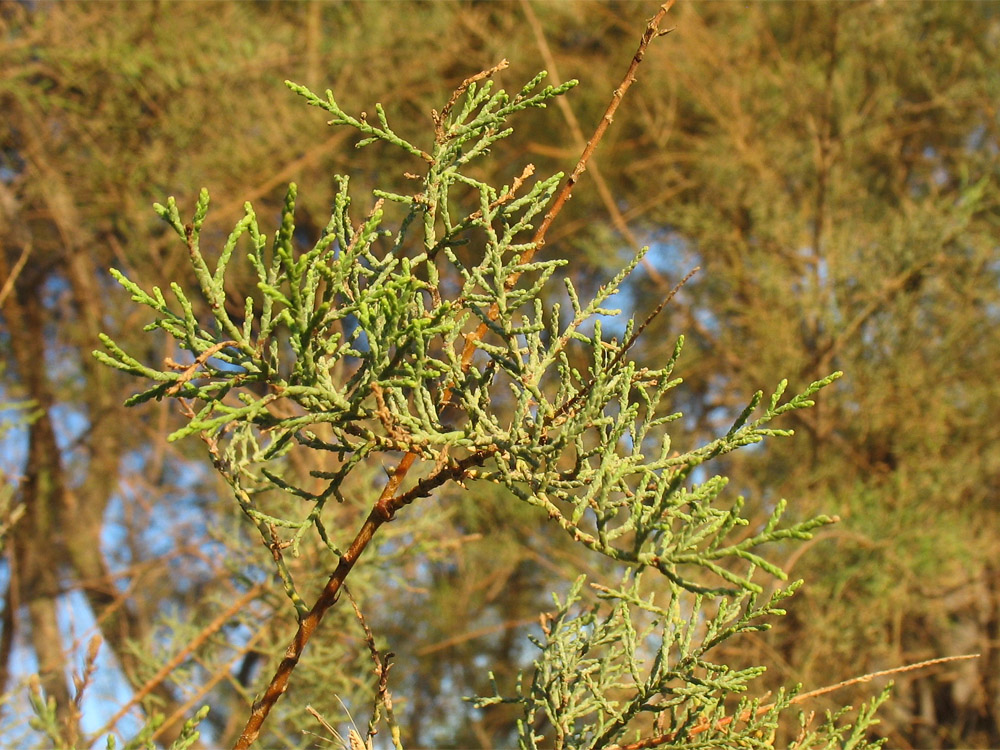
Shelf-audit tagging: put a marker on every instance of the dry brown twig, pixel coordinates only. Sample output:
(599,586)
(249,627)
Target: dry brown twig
(439,117)
(383,663)
(603,189)
(388,501)
(322,722)
(509,195)
(191,370)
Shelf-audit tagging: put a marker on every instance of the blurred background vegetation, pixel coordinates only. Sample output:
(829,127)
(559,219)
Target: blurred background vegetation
(832,167)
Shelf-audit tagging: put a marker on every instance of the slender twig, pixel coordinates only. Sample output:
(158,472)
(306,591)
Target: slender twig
(327,598)
(323,722)
(192,369)
(565,407)
(439,118)
(387,503)
(383,663)
(882,673)
(603,189)
(704,726)
(652,31)
(509,195)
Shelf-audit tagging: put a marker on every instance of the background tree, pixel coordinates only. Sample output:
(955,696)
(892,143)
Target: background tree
(832,168)
(842,179)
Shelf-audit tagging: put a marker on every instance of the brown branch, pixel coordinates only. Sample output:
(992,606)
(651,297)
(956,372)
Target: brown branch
(328,597)
(652,31)
(478,214)
(454,471)
(882,673)
(8,283)
(704,726)
(384,508)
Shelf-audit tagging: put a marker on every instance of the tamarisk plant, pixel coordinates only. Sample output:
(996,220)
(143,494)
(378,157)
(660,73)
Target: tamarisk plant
(426,336)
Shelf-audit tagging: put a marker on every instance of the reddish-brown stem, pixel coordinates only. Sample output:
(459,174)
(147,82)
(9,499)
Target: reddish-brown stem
(651,32)
(307,625)
(387,503)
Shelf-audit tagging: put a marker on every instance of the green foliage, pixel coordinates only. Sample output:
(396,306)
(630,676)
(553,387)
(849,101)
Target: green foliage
(596,672)
(388,336)
(610,670)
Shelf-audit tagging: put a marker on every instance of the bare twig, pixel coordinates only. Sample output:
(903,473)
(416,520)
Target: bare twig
(603,189)
(463,87)
(882,673)
(322,722)
(388,502)
(652,31)
(383,663)
(509,195)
